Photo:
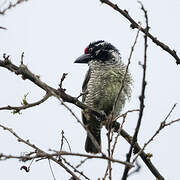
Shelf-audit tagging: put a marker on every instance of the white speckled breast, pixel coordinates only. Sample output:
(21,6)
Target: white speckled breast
(104,85)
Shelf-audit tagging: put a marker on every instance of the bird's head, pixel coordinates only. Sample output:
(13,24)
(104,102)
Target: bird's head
(100,51)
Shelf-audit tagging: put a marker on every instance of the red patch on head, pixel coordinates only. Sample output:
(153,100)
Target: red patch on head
(85,50)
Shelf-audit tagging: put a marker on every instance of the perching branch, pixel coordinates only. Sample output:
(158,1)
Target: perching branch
(58,93)
(134,25)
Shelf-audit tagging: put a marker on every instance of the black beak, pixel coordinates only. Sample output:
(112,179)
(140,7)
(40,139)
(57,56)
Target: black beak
(85,58)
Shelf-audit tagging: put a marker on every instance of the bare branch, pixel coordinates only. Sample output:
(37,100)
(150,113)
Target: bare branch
(49,162)
(127,67)
(82,162)
(126,71)
(59,93)
(17,109)
(75,169)
(162,125)
(142,97)
(112,118)
(170,112)
(143,155)
(39,151)
(134,24)
(62,79)
(62,153)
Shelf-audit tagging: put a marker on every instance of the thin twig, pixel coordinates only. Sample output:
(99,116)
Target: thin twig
(170,112)
(142,97)
(62,142)
(75,169)
(67,143)
(10,6)
(51,169)
(17,109)
(110,132)
(127,67)
(116,138)
(162,125)
(126,71)
(97,157)
(62,79)
(143,156)
(82,162)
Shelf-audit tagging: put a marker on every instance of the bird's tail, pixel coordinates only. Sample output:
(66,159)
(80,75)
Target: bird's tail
(95,129)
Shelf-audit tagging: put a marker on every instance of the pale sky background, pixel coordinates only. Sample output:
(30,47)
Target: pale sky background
(52,34)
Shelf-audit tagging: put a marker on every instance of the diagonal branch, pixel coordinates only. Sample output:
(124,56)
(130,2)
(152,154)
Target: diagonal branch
(143,155)
(17,109)
(162,125)
(134,25)
(59,93)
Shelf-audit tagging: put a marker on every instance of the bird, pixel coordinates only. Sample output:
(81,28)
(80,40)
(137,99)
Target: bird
(101,87)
